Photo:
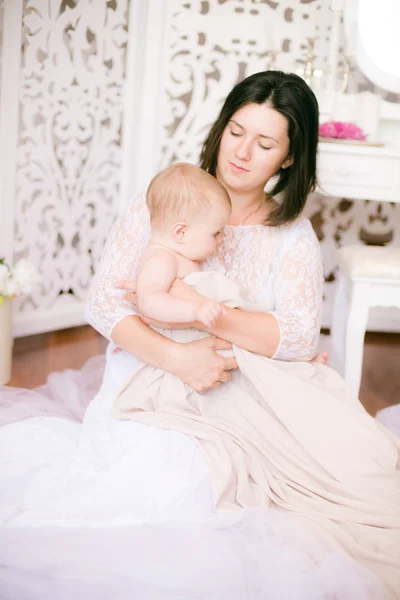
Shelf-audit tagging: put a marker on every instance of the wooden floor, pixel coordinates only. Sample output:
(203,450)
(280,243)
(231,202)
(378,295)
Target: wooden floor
(36,356)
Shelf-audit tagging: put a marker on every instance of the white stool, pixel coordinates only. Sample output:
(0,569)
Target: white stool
(368,276)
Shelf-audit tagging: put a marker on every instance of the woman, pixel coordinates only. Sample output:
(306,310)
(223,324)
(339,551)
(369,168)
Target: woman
(244,157)
(124,473)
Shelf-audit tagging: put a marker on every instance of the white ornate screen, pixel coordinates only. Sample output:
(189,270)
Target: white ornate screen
(209,47)
(68,160)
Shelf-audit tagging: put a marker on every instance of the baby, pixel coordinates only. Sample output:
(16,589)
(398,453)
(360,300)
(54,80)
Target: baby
(188,211)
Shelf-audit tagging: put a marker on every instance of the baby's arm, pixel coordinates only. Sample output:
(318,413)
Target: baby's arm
(155,278)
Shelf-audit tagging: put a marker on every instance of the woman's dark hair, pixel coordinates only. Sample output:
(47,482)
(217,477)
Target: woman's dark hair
(292,97)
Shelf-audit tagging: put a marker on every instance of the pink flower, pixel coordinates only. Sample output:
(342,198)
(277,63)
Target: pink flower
(344,131)
(327,130)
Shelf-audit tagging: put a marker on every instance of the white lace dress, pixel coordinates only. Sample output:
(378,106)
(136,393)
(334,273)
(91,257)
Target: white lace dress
(278,268)
(122,510)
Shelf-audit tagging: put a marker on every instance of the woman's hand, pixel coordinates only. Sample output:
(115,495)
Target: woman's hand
(200,366)
(164,325)
(130,287)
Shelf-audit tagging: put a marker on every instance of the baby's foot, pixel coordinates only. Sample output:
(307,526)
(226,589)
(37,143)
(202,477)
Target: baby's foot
(321,358)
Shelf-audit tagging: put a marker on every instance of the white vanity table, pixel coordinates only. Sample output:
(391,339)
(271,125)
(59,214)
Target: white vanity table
(359,172)
(362,171)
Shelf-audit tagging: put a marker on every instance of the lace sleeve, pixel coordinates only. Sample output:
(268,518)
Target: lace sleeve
(128,238)
(298,293)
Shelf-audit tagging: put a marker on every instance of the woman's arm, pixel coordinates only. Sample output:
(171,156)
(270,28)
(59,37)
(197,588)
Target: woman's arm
(291,331)
(196,363)
(133,336)
(298,290)
(128,238)
(255,332)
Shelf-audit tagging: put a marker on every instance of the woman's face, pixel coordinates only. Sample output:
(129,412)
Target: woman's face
(254,146)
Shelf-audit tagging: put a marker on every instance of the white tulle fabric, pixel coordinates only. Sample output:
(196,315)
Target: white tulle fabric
(115,509)
(278,268)
(65,394)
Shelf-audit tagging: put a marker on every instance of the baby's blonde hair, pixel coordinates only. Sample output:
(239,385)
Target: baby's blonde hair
(182,191)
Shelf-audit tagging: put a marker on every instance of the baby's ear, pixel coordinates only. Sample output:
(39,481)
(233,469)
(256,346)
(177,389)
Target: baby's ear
(178,231)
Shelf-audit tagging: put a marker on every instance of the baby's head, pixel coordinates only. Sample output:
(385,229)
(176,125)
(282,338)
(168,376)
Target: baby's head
(189,208)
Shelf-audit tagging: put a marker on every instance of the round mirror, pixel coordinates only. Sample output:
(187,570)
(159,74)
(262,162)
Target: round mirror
(373,38)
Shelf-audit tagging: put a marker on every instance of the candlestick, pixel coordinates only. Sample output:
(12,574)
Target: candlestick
(337,10)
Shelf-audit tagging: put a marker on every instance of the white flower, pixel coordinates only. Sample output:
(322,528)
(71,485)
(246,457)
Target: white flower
(25,277)
(22,279)
(4,273)
(9,288)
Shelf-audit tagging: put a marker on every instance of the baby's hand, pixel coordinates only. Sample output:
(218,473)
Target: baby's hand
(208,312)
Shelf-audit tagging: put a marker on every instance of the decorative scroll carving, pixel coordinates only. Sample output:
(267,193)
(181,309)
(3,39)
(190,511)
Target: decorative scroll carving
(72,78)
(212,45)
